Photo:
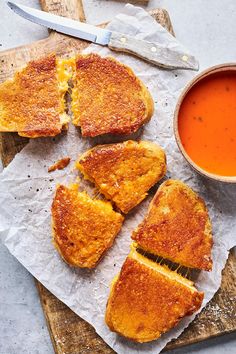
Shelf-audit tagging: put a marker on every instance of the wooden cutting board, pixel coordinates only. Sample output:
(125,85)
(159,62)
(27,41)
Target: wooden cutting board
(69,333)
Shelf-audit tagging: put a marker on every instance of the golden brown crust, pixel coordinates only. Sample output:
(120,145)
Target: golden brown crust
(177,227)
(30,103)
(83,228)
(144,303)
(108,97)
(124,172)
(60,164)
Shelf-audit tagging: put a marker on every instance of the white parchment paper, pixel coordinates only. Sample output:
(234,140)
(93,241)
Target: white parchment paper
(27,189)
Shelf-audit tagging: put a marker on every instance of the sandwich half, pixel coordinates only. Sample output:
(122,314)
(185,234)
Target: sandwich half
(177,227)
(107,97)
(32,102)
(83,228)
(147,299)
(124,172)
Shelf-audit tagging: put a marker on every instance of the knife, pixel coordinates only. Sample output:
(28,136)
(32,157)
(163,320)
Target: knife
(152,52)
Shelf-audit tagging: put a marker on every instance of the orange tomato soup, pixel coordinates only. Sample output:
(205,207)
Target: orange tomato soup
(207,123)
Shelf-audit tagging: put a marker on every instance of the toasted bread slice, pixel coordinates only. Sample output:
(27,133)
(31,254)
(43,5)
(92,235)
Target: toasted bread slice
(124,172)
(83,228)
(32,103)
(148,299)
(108,98)
(177,227)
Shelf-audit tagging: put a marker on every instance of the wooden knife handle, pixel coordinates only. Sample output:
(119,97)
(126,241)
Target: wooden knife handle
(125,43)
(67,8)
(151,52)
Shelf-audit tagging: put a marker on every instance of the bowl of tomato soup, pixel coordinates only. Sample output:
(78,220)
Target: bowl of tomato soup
(205,123)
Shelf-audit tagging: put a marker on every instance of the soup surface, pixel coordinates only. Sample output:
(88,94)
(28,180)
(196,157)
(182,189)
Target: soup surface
(207,123)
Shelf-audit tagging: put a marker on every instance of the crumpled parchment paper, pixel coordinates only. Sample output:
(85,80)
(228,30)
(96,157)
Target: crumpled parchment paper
(27,189)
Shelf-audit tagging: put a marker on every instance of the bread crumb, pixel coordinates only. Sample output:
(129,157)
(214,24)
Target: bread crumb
(60,164)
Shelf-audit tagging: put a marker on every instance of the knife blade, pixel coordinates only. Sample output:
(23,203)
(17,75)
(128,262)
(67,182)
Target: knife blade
(152,52)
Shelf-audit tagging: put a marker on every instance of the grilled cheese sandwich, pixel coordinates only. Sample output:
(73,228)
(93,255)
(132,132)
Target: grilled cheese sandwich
(124,172)
(107,97)
(83,228)
(177,227)
(32,103)
(147,299)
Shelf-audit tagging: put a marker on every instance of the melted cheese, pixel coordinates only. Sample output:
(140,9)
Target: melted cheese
(164,270)
(65,69)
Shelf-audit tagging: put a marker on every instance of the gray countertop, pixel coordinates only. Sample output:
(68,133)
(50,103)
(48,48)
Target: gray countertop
(208,29)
